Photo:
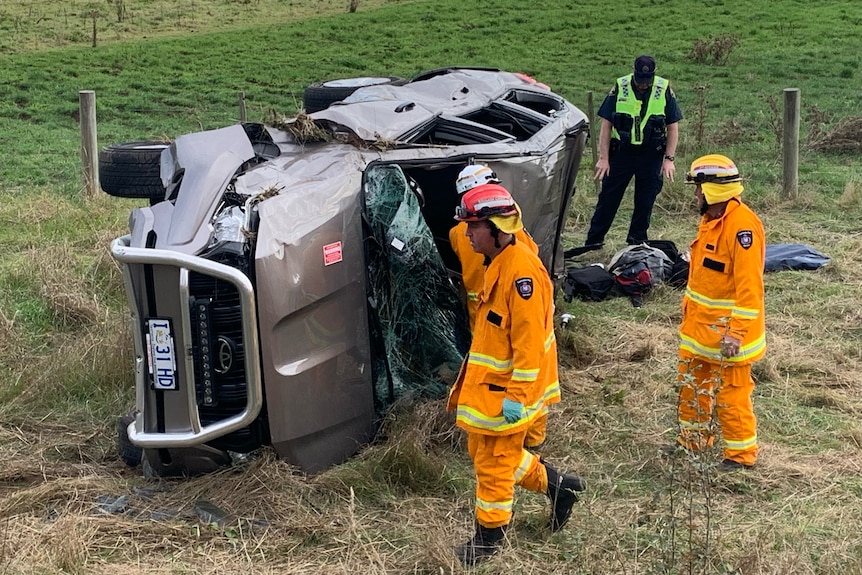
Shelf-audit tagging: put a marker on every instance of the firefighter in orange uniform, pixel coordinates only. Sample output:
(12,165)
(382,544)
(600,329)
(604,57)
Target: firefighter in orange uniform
(500,390)
(723,327)
(473,278)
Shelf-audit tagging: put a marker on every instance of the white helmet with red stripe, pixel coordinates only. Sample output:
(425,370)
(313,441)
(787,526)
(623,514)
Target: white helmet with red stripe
(475,175)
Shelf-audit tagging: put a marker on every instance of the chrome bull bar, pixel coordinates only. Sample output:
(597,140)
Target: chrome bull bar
(123,253)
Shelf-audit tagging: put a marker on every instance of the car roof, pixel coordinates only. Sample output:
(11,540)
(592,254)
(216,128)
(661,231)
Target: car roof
(387,112)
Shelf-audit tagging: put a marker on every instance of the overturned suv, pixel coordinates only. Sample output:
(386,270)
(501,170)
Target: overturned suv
(289,282)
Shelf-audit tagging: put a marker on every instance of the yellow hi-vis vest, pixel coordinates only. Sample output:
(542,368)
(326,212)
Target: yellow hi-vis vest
(629,105)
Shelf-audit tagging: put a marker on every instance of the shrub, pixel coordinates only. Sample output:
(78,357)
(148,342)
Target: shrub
(714,50)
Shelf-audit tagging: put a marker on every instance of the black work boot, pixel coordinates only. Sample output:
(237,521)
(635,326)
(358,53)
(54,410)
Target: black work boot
(562,490)
(484,544)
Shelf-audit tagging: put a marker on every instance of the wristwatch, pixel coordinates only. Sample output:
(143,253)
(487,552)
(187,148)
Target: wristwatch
(669,157)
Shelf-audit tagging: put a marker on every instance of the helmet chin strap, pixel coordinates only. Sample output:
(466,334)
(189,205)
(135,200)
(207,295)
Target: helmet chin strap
(495,233)
(713,211)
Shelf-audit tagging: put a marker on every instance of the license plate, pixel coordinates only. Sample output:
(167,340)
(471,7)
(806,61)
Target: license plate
(160,354)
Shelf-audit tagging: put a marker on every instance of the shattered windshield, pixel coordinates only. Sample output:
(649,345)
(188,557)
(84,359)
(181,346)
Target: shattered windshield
(420,323)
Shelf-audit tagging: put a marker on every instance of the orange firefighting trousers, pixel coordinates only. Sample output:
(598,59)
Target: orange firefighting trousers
(500,463)
(732,386)
(538,431)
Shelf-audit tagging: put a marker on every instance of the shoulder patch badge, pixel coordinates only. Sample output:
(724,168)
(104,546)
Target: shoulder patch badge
(524,287)
(745,238)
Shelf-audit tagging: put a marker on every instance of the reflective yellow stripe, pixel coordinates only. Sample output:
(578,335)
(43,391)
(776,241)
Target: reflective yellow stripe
(525,374)
(475,418)
(745,313)
(689,344)
(473,296)
(549,341)
(493,363)
(492,505)
(741,445)
(707,301)
(524,466)
(746,352)
(552,391)
(753,348)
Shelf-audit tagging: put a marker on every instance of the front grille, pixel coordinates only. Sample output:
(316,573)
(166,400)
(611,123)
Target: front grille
(217,347)
(219,358)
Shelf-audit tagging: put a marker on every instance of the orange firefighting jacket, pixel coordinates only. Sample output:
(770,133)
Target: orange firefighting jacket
(473,264)
(514,353)
(725,287)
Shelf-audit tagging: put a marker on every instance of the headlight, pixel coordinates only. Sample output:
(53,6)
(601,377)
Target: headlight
(228,227)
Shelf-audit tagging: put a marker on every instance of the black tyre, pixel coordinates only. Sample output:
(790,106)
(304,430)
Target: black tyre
(428,74)
(132,170)
(130,453)
(184,461)
(321,95)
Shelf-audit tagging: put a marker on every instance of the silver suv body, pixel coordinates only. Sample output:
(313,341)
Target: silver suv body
(259,283)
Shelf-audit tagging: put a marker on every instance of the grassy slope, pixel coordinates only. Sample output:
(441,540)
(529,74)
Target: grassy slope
(400,506)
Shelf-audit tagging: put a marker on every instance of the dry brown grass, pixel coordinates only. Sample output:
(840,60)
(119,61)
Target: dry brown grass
(277,521)
(306,130)
(68,297)
(846,136)
(403,503)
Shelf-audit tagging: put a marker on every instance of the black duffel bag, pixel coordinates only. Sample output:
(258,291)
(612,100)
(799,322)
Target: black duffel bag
(590,283)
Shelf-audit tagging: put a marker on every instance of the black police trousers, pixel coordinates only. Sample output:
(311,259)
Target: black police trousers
(645,167)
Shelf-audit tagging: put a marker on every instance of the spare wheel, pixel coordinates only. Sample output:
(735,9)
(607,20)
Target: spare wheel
(321,95)
(132,170)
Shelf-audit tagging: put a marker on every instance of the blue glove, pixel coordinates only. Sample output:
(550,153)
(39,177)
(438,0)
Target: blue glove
(513,411)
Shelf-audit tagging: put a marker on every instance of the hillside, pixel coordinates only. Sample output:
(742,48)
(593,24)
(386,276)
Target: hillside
(69,505)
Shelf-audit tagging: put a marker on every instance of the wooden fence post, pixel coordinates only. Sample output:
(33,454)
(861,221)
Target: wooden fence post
(89,151)
(791,143)
(593,136)
(241,97)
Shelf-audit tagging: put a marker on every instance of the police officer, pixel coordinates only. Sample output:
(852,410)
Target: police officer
(500,390)
(638,138)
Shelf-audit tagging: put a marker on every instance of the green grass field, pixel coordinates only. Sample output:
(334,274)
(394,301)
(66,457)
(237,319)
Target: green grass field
(161,69)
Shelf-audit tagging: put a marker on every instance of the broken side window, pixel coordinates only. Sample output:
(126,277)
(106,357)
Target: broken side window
(421,324)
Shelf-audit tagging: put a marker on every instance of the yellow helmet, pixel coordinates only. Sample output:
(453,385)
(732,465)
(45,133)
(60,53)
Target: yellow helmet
(718,177)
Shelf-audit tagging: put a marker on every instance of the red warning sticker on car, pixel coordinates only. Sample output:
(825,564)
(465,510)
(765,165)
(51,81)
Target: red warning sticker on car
(332,253)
